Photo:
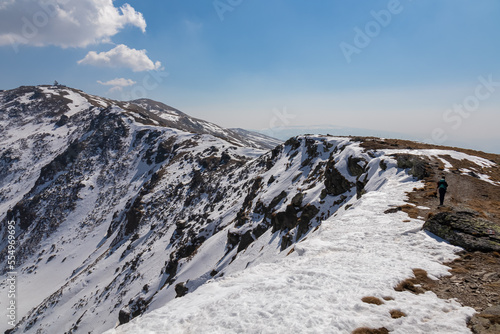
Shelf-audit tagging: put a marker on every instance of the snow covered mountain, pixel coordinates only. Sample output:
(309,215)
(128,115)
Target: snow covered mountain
(134,213)
(173,118)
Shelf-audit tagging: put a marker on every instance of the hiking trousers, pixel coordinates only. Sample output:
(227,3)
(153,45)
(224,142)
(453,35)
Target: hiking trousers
(442,192)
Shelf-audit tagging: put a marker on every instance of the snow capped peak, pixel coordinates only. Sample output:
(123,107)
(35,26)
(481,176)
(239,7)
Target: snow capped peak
(67,102)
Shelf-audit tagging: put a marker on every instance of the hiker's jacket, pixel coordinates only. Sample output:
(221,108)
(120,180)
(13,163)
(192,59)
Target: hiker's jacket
(442,184)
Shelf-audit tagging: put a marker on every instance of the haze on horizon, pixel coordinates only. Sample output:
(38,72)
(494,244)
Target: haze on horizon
(427,70)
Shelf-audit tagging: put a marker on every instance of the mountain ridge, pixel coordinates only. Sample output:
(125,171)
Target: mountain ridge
(133,213)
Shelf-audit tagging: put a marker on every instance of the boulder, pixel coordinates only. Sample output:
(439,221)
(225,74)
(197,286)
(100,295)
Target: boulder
(181,290)
(417,166)
(487,321)
(465,229)
(124,316)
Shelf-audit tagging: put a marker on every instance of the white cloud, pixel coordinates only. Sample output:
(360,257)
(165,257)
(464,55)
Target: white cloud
(121,56)
(122,82)
(117,84)
(64,23)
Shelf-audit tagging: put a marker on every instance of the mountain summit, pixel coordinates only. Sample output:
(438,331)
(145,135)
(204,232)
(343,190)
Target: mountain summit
(134,214)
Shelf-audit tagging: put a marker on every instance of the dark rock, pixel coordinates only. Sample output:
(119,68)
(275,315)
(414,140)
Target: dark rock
(181,289)
(294,142)
(465,229)
(233,238)
(285,220)
(487,321)
(308,213)
(134,216)
(123,316)
(471,173)
(224,159)
(197,180)
(416,165)
(394,210)
(335,182)
(62,121)
(297,199)
(277,199)
(360,189)
(383,165)
(164,150)
(189,246)
(353,166)
(137,307)
(171,269)
(242,215)
(211,163)
(286,241)
(250,236)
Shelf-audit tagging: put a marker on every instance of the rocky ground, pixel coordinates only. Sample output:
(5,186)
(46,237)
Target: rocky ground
(475,275)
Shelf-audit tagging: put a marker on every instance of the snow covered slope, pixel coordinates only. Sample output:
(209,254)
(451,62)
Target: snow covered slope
(318,287)
(120,207)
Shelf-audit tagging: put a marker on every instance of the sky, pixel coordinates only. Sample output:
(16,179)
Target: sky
(426,70)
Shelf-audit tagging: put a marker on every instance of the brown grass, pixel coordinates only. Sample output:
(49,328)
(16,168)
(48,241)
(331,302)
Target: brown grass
(493,318)
(396,314)
(495,285)
(458,270)
(420,273)
(411,210)
(366,330)
(388,298)
(372,300)
(409,283)
(431,194)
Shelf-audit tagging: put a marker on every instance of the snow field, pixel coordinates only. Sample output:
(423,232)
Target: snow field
(318,288)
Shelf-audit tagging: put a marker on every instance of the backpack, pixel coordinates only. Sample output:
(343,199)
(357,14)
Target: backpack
(442,184)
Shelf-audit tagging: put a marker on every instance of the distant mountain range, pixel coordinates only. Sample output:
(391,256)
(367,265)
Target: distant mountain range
(285,132)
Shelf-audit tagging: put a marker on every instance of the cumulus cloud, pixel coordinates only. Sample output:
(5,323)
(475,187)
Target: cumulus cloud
(117,84)
(64,23)
(121,56)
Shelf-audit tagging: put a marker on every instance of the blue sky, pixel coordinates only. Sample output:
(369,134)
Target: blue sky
(428,70)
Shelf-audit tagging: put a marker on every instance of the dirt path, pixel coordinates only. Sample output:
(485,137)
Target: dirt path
(475,276)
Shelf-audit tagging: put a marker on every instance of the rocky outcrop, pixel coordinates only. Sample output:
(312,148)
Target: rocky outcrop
(417,166)
(335,183)
(487,321)
(353,166)
(181,289)
(465,229)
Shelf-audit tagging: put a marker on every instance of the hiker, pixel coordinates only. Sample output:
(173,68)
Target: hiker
(442,186)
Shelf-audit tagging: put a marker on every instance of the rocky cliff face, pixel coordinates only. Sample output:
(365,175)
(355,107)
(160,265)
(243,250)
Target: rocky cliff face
(119,199)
